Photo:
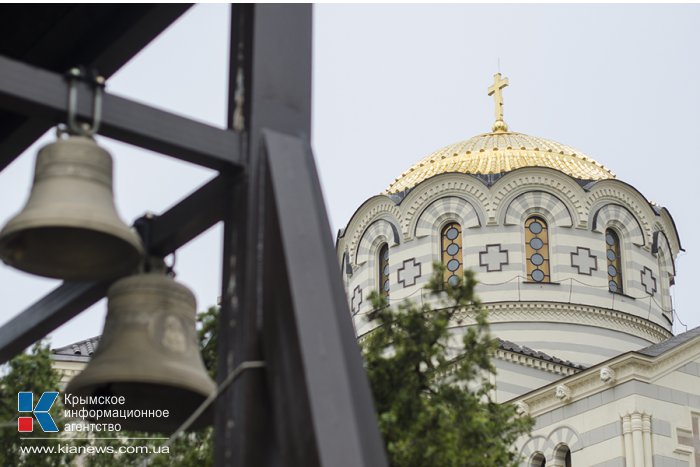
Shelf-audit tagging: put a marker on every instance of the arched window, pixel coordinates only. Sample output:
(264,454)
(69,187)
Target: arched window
(562,456)
(537,249)
(537,460)
(612,253)
(383,269)
(665,284)
(452,252)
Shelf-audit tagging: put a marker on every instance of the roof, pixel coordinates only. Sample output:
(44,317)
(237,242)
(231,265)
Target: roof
(669,344)
(83,350)
(500,152)
(521,349)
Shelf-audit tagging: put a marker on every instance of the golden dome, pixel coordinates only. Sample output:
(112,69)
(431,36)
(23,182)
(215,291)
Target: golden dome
(498,152)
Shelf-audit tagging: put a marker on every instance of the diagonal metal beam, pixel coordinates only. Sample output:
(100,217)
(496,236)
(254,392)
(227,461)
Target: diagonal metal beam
(321,398)
(169,231)
(31,91)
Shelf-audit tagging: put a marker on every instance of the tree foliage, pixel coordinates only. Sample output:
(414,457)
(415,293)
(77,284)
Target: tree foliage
(28,371)
(431,382)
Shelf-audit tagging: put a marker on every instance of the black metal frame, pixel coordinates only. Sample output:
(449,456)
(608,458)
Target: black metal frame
(284,303)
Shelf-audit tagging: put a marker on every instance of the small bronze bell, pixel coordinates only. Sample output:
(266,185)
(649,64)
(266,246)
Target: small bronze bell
(149,354)
(69,229)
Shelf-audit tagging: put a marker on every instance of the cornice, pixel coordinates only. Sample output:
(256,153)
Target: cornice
(626,367)
(533,362)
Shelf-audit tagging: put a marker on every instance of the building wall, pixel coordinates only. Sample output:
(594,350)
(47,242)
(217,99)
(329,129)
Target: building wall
(641,421)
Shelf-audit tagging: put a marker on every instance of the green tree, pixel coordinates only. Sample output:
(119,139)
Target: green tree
(432,389)
(28,371)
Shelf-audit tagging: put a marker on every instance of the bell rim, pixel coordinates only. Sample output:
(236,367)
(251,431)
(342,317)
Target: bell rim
(126,238)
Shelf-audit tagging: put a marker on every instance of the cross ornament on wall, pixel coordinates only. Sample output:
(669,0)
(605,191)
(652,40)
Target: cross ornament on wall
(409,272)
(356,300)
(583,261)
(690,439)
(648,281)
(493,258)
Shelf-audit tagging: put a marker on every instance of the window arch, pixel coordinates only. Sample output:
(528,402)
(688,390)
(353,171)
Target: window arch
(451,236)
(537,249)
(383,270)
(613,255)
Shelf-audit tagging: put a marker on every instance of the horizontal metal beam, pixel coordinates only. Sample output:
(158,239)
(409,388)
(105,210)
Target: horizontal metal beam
(174,228)
(134,27)
(35,92)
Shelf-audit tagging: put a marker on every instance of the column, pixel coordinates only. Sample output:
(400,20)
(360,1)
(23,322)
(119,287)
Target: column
(646,434)
(637,443)
(627,433)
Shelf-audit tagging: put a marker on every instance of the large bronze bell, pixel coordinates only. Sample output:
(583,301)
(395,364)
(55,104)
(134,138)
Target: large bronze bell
(69,228)
(149,354)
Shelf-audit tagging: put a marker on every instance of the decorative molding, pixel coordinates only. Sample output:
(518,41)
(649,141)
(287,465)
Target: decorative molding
(607,375)
(628,366)
(375,208)
(537,201)
(561,435)
(381,230)
(466,187)
(562,392)
(447,208)
(533,362)
(619,216)
(407,274)
(517,182)
(616,192)
(521,408)
(501,312)
(583,263)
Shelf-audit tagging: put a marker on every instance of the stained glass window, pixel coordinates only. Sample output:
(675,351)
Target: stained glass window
(452,252)
(537,249)
(612,253)
(383,262)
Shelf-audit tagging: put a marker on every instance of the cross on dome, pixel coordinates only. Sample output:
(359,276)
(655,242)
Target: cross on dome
(495,90)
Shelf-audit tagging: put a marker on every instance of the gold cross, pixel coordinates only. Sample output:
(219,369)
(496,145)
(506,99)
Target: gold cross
(495,91)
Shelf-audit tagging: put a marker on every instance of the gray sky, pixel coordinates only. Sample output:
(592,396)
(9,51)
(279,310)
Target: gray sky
(392,83)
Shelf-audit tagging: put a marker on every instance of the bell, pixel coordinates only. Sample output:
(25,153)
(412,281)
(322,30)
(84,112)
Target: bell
(69,229)
(149,354)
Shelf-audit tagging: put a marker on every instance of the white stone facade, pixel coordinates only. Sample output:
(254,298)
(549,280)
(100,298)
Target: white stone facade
(575,316)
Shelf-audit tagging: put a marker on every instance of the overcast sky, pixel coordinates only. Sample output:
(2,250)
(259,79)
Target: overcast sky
(393,83)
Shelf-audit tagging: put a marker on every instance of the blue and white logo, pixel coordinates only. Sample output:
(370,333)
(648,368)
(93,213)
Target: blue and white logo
(25,403)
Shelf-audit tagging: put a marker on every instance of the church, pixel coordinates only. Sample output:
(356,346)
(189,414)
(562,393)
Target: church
(575,268)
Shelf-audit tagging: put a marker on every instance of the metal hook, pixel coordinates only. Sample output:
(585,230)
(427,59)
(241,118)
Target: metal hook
(170,268)
(97,82)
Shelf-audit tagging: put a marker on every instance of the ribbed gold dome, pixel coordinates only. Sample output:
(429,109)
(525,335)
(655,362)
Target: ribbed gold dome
(494,153)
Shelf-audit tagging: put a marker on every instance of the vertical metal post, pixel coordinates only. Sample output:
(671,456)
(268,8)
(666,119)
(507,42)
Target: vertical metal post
(242,411)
